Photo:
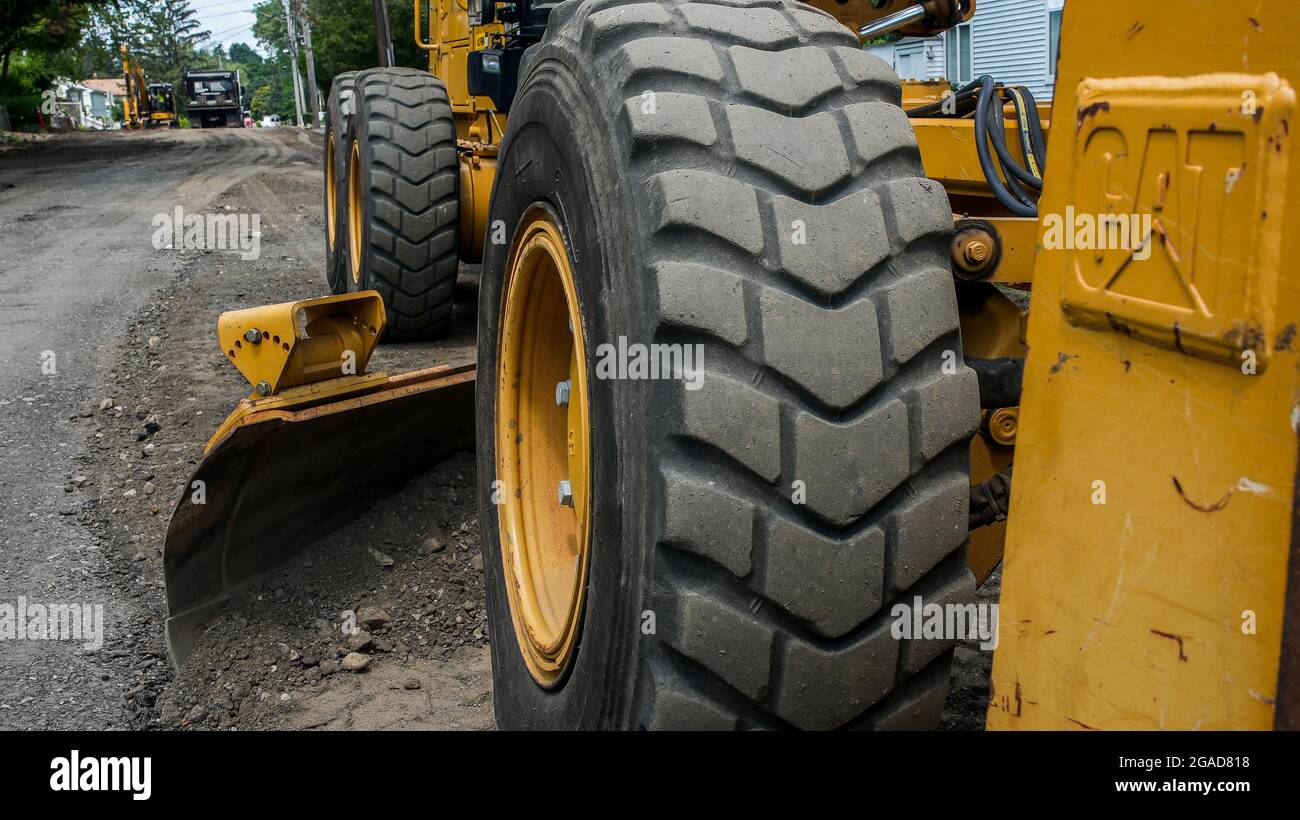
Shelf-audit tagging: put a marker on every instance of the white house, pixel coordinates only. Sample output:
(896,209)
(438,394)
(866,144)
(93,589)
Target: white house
(1016,41)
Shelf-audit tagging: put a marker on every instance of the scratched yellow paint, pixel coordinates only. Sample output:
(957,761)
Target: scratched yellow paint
(1129,614)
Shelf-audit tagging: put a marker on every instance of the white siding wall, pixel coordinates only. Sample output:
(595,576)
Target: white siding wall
(1009,39)
(913,58)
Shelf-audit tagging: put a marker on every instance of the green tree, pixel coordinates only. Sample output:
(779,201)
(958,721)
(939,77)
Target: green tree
(243,54)
(260,106)
(343,36)
(45,27)
(110,25)
(343,39)
(174,34)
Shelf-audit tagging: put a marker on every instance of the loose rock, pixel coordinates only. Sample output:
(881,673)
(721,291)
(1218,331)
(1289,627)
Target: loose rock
(373,616)
(355,662)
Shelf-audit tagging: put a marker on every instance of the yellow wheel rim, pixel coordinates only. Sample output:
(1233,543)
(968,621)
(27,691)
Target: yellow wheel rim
(354,212)
(331,205)
(541,442)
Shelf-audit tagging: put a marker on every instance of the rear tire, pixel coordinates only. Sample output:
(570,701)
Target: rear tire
(744,179)
(407,247)
(339,125)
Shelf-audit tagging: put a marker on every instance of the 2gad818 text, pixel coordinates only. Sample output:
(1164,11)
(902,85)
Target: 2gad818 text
(1189,762)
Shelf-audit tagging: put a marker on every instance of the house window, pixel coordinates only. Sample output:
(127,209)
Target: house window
(1053,40)
(957,56)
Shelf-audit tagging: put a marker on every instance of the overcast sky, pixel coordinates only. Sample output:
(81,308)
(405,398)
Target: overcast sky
(230,21)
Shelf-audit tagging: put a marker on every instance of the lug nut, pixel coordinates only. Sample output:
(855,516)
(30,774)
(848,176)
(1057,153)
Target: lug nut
(562,392)
(566,493)
(253,335)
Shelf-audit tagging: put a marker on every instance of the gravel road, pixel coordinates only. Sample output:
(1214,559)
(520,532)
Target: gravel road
(112,382)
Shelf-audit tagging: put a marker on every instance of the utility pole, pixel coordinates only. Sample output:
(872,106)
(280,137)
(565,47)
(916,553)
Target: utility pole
(311,68)
(383,38)
(293,59)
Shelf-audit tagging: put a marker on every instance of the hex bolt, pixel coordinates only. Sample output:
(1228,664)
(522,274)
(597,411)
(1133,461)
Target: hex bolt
(263,388)
(974,251)
(977,252)
(253,335)
(562,392)
(566,493)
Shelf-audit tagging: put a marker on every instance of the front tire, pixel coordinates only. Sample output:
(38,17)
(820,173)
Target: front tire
(339,125)
(741,179)
(403,189)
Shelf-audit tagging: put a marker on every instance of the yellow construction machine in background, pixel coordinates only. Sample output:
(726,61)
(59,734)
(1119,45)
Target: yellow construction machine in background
(145,105)
(162,107)
(135,104)
(899,290)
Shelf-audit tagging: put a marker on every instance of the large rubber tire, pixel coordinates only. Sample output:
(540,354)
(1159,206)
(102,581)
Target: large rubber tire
(339,124)
(406,142)
(831,364)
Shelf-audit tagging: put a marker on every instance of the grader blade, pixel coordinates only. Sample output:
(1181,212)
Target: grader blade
(287,468)
(281,479)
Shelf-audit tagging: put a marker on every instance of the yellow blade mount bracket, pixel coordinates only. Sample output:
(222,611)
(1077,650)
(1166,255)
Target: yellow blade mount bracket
(296,343)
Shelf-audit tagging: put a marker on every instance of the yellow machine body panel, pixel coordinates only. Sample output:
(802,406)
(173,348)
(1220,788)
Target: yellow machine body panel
(449,39)
(1145,576)
(445,30)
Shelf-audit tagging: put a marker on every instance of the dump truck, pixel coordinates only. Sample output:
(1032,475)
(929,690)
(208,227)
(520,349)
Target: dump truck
(213,99)
(762,331)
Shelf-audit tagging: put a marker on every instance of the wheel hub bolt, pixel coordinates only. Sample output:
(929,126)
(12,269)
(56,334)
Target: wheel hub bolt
(562,392)
(566,493)
(253,335)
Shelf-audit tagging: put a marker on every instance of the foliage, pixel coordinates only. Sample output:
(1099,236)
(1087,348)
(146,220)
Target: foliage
(44,27)
(22,110)
(260,106)
(44,39)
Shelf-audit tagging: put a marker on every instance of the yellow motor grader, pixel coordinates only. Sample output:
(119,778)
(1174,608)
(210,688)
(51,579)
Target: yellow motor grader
(862,300)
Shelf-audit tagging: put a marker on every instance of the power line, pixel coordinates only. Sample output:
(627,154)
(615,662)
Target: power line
(218,37)
(226,14)
(226,3)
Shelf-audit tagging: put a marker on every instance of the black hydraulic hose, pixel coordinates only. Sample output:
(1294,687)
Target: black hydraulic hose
(1036,129)
(1027,147)
(1010,165)
(1004,196)
(1026,118)
(1019,190)
(1019,193)
(990,501)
